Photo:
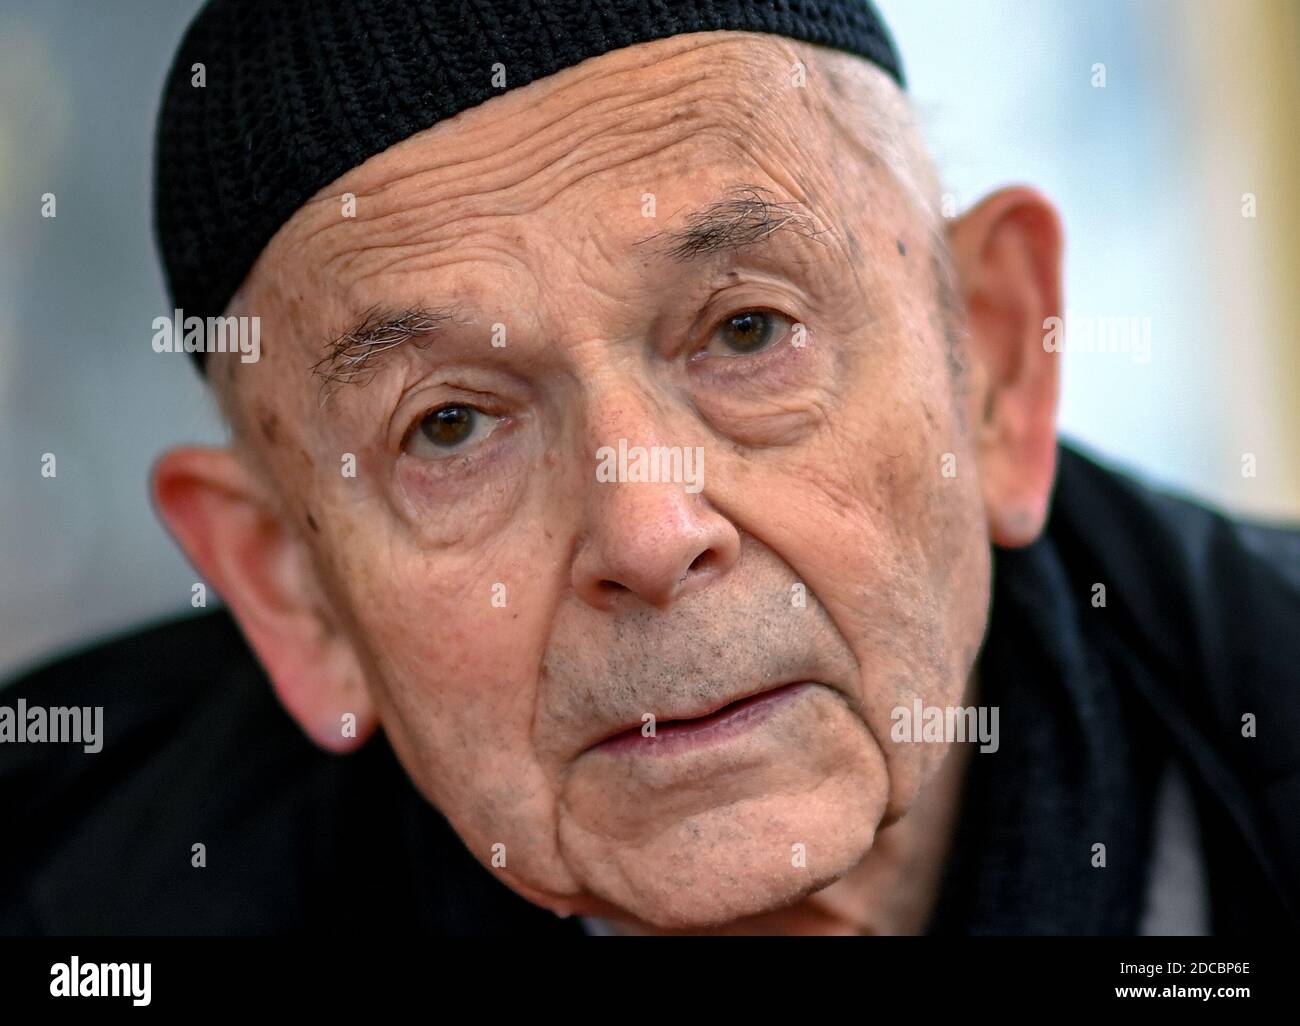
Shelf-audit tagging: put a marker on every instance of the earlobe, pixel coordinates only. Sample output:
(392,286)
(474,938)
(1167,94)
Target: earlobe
(217,512)
(1007,256)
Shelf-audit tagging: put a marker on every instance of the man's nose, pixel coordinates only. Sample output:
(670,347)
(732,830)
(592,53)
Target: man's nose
(650,541)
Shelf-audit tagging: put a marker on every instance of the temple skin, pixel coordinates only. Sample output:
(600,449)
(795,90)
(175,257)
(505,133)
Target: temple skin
(873,464)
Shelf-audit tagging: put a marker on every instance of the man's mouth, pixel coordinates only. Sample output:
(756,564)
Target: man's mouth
(715,725)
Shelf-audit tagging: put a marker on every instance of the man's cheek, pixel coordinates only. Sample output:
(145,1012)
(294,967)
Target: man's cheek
(438,628)
(456,672)
(863,537)
(464,634)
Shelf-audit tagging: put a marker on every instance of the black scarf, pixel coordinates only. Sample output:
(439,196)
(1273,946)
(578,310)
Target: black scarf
(1077,765)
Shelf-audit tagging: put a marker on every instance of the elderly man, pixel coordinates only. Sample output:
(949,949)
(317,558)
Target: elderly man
(662,504)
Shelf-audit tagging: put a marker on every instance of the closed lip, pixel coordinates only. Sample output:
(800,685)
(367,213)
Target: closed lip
(700,714)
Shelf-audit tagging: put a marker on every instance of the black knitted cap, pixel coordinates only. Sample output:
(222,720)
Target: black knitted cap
(297,92)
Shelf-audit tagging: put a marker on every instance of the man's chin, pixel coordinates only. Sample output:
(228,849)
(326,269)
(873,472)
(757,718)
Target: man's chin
(730,862)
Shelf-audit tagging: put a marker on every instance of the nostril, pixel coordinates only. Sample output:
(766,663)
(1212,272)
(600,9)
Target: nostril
(701,561)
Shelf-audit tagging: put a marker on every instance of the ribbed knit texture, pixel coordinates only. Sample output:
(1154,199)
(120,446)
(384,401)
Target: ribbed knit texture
(300,91)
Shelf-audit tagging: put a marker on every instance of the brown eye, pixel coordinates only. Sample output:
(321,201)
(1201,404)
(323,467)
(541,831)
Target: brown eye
(449,430)
(750,331)
(449,426)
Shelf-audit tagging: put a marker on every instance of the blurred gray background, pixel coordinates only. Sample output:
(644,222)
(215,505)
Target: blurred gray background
(1199,107)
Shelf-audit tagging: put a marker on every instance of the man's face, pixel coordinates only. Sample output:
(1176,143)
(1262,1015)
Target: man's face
(510,606)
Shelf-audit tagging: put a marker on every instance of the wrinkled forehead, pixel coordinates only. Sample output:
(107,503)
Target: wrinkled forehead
(637,117)
(668,149)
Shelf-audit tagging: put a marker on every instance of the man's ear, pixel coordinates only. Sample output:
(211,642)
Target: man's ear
(1007,258)
(216,510)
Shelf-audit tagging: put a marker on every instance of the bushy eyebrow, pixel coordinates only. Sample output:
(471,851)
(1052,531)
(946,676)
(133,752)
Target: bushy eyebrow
(745,215)
(349,358)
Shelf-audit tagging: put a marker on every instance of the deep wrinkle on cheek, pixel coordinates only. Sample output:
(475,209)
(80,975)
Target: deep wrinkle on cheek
(843,607)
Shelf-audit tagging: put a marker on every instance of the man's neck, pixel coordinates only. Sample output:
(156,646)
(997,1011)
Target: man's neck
(893,890)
